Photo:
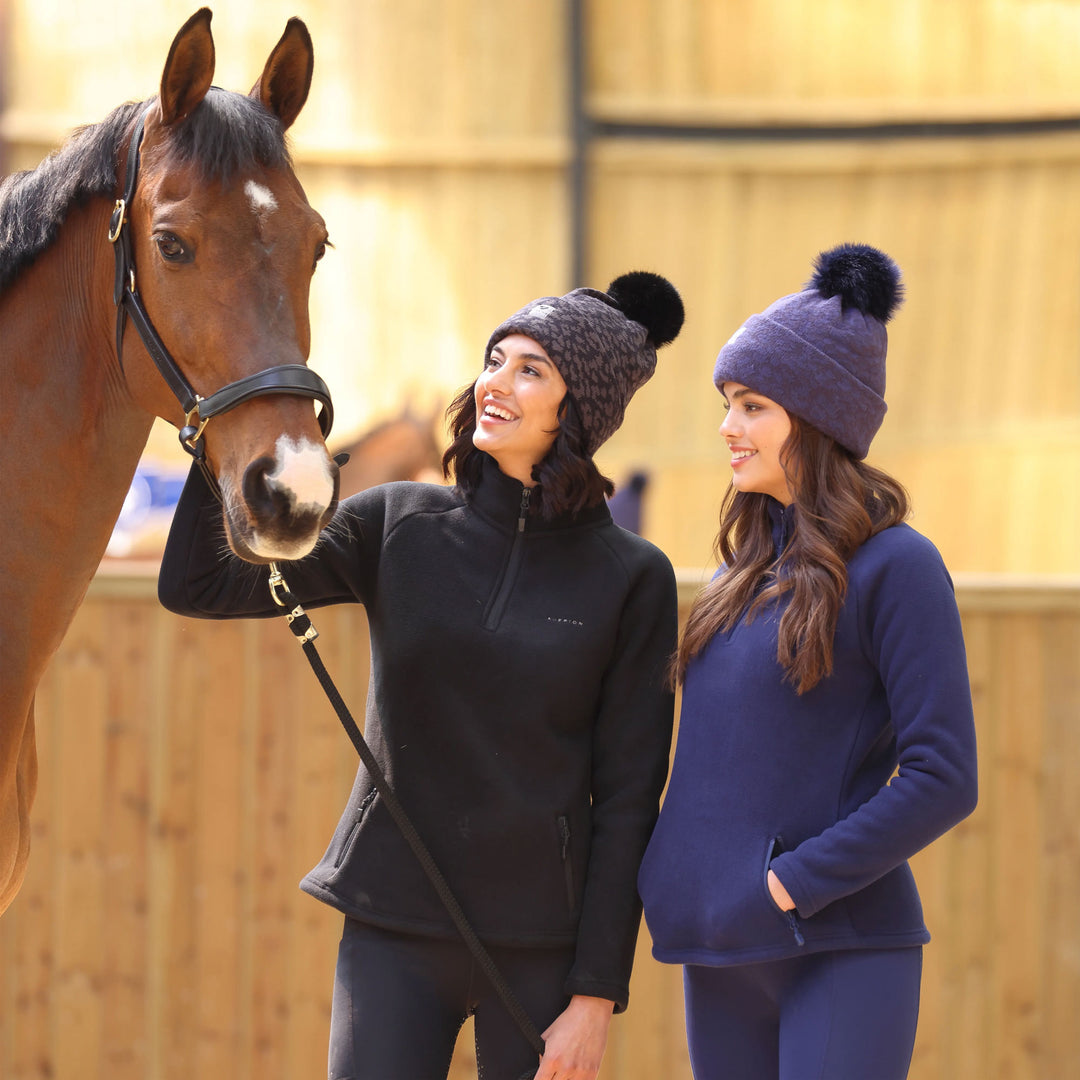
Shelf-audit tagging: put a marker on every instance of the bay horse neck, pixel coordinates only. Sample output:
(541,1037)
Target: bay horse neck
(72,440)
(73,433)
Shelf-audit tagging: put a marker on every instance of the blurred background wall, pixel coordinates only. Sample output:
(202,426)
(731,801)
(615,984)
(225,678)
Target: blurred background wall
(470,155)
(721,143)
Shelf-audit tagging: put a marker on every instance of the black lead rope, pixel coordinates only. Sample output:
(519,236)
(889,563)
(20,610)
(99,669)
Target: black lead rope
(300,624)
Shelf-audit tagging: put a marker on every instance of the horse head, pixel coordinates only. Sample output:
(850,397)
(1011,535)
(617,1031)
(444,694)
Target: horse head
(223,245)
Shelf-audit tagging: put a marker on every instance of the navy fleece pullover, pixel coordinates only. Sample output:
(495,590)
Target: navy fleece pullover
(834,789)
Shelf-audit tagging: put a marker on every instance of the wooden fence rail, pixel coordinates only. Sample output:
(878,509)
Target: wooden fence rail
(191,774)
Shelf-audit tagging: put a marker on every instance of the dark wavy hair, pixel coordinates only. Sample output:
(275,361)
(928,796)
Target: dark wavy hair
(567,479)
(840,502)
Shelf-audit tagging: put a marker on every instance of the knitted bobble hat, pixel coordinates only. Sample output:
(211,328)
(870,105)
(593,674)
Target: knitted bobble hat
(603,343)
(820,353)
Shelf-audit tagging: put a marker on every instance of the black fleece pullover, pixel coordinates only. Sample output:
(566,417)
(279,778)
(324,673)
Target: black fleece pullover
(516,703)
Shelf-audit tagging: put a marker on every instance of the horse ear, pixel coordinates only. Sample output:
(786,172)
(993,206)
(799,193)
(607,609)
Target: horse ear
(285,81)
(189,70)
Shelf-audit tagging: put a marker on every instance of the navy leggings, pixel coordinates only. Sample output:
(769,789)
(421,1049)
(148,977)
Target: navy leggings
(400,1001)
(826,1016)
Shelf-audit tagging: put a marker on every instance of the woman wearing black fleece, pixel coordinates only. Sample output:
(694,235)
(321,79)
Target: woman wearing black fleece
(826,732)
(517,702)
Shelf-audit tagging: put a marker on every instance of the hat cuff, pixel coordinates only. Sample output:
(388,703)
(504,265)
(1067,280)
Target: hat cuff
(774,361)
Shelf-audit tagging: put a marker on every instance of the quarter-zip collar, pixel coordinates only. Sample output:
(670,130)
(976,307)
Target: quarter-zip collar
(501,499)
(783,524)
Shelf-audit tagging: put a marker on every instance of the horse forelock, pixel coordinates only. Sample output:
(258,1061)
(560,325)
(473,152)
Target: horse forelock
(226,134)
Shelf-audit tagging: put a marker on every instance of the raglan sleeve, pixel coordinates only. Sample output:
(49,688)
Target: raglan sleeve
(631,746)
(910,630)
(202,578)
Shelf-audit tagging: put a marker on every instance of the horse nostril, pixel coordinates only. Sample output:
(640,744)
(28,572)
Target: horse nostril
(264,498)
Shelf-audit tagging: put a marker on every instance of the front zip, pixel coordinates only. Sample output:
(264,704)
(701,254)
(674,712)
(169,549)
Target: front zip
(494,613)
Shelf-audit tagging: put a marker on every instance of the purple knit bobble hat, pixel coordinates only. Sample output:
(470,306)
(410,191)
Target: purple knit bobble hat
(603,343)
(820,353)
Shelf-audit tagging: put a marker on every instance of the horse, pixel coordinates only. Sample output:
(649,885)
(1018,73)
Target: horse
(193,189)
(403,447)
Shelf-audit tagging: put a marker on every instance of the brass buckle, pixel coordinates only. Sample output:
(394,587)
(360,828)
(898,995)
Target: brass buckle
(277,582)
(117,224)
(191,440)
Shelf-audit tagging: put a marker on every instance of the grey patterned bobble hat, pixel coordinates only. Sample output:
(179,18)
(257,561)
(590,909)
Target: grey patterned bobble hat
(603,343)
(821,352)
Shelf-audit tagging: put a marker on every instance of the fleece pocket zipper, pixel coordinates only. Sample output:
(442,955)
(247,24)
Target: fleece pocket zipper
(776,847)
(361,810)
(568,866)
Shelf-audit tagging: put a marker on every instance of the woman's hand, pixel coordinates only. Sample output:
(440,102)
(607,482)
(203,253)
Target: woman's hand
(574,1044)
(781,897)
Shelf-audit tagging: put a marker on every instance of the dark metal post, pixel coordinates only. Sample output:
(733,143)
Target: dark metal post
(579,138)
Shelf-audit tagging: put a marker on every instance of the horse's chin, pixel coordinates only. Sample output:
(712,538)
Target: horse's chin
(275,542)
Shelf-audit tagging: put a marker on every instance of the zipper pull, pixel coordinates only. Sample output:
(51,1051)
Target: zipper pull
(793,923)
(525,494)
(564,832)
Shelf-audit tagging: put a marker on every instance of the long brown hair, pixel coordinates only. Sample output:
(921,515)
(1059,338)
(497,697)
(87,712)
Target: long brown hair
(839,503)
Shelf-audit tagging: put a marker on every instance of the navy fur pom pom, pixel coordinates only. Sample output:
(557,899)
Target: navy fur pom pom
(650,300)
(862,276)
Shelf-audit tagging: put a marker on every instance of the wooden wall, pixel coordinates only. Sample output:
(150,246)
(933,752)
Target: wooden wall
(786,60)
(160,933)
(191,774)
(436,142)
(987,234)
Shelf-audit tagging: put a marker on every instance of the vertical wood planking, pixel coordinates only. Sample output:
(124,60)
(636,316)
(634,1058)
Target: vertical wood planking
(131,634)
(1059,990)
(214,706)
(81,722)
(161,929)
(1016,763)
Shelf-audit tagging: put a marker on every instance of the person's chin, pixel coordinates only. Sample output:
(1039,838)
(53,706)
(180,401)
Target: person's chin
(483,440)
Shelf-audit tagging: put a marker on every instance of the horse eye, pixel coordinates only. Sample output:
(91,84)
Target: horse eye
(172,249)
(320,251)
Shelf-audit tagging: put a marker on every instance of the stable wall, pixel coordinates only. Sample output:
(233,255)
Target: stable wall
(438,141)
(192,773)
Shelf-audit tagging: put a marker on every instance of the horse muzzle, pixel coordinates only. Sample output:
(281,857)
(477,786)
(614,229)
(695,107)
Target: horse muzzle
(282,502)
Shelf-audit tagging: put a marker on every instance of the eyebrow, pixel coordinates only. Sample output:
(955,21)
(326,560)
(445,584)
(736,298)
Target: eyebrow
(743,392)
(526,356)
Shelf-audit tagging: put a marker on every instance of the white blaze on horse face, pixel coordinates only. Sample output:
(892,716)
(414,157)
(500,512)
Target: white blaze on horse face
(261,198)
(303,472)
(303,477)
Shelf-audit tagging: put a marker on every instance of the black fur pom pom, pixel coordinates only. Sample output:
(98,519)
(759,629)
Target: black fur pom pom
(650,300)
(863,277)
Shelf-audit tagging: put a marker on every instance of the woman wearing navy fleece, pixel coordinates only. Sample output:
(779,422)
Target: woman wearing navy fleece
(826,731)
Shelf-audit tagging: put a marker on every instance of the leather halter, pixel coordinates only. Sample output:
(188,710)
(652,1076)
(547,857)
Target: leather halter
(198,411)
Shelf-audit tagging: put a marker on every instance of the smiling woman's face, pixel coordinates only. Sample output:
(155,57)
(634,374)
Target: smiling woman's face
(755,429)
(518,396)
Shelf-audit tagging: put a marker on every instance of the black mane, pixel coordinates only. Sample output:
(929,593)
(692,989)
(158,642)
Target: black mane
(226,133)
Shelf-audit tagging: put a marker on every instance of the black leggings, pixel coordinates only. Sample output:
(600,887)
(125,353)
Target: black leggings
(400,1001)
